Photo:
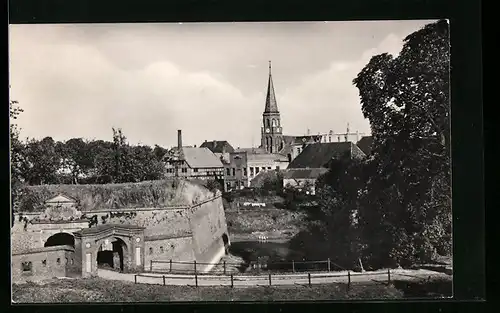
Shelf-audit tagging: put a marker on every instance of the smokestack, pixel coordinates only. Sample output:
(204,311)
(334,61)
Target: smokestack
(179,139)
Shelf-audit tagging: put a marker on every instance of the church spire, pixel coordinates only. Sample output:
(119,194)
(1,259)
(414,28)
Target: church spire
(271,105)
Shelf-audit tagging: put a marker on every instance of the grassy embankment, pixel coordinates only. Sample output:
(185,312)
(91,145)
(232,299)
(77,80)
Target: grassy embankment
(273,221)
(100,290)
(115,196)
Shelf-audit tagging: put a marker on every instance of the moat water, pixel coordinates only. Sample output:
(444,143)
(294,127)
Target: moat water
(275,255)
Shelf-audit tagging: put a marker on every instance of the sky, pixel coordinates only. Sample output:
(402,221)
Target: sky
(208,79)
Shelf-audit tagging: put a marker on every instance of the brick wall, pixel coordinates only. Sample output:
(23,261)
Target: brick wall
(45,263)
(175,249)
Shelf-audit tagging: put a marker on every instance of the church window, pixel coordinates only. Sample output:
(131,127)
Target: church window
(274,122)
(267,123)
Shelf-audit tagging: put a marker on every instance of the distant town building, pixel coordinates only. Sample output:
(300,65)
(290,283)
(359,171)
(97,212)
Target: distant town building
(365,144)
(193,162)
(315,160)
(218,146)
(245,165)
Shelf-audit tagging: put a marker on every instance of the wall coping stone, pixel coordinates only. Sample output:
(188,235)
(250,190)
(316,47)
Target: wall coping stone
(45,249)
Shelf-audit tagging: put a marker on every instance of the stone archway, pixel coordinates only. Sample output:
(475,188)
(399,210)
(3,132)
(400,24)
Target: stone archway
(112,253)
(60,239)
(129,240)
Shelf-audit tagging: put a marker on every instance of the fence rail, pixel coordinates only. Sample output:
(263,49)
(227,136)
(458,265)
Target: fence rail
(223,268)
(305,279)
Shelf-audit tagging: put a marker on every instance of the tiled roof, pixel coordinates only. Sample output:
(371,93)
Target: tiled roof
(217,146)
(365,144)
(291,141)
(201,158)
(262,176)
(252,150)
(266,156)
(319,154)
(304,173)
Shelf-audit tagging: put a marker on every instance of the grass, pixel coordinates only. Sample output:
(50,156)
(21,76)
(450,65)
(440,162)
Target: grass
(100,290)
(114,196)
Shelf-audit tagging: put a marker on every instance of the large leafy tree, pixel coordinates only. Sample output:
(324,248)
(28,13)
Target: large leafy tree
(16,153)
(406,211)
(42,161)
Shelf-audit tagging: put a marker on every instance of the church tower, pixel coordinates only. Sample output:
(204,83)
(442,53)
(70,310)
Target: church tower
(271,131)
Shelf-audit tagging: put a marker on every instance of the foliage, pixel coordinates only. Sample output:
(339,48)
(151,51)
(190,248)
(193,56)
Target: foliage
(16,154)
(394,208)
(156,193)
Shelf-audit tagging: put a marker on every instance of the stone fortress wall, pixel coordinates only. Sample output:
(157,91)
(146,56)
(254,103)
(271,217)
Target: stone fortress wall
(189,232)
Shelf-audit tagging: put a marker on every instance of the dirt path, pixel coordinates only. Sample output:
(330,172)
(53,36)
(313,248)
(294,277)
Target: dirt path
(263,280)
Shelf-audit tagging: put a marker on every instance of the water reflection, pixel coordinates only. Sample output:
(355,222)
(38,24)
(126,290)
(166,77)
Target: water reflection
(272,255)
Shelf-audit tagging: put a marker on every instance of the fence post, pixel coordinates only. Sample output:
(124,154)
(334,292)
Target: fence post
(135,279)
(151,265)
(389,276)
(269,279)
(328,264)
(293,266)
(194,266)
(348,280)
(224,267)
(309,278)
(232,282)
(163,280)
(196,279)
(170,265)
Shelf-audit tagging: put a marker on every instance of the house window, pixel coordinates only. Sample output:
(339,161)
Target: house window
(195,170)
(26,266)
(263,168)
(184,170)
(150,250)
(228,171)
(234,171)
(228,186)
(256,170)
(269,168)
(245,171)
(251,171)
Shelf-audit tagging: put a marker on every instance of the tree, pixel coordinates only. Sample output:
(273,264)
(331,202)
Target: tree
(16,154)
(405,214)
(41,162)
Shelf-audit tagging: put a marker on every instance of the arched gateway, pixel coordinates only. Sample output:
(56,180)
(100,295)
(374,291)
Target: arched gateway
(123,244)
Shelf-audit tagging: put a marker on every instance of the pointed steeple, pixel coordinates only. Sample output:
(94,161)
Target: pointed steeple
(271,105)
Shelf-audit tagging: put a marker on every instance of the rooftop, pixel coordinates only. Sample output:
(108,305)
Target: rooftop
(318,155)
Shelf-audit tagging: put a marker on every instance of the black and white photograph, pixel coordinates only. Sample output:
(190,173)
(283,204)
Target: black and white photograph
(230,161)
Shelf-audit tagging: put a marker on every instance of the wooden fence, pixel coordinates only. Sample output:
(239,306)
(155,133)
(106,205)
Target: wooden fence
(221,268)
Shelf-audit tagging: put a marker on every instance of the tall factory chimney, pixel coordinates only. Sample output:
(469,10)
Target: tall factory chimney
(179,139)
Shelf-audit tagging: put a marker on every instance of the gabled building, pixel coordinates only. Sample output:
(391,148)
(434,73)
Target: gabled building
(314,161)
(365,144)
(244,166)
(193,162)
(218,146)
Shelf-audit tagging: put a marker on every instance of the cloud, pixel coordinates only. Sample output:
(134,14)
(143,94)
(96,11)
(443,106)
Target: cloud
(327,100)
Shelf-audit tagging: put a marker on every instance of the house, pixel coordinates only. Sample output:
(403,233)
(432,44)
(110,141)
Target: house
(365,144)
(314,161)
(319,155)
(193,162)
(245,165)
(303,178)
(217,146)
